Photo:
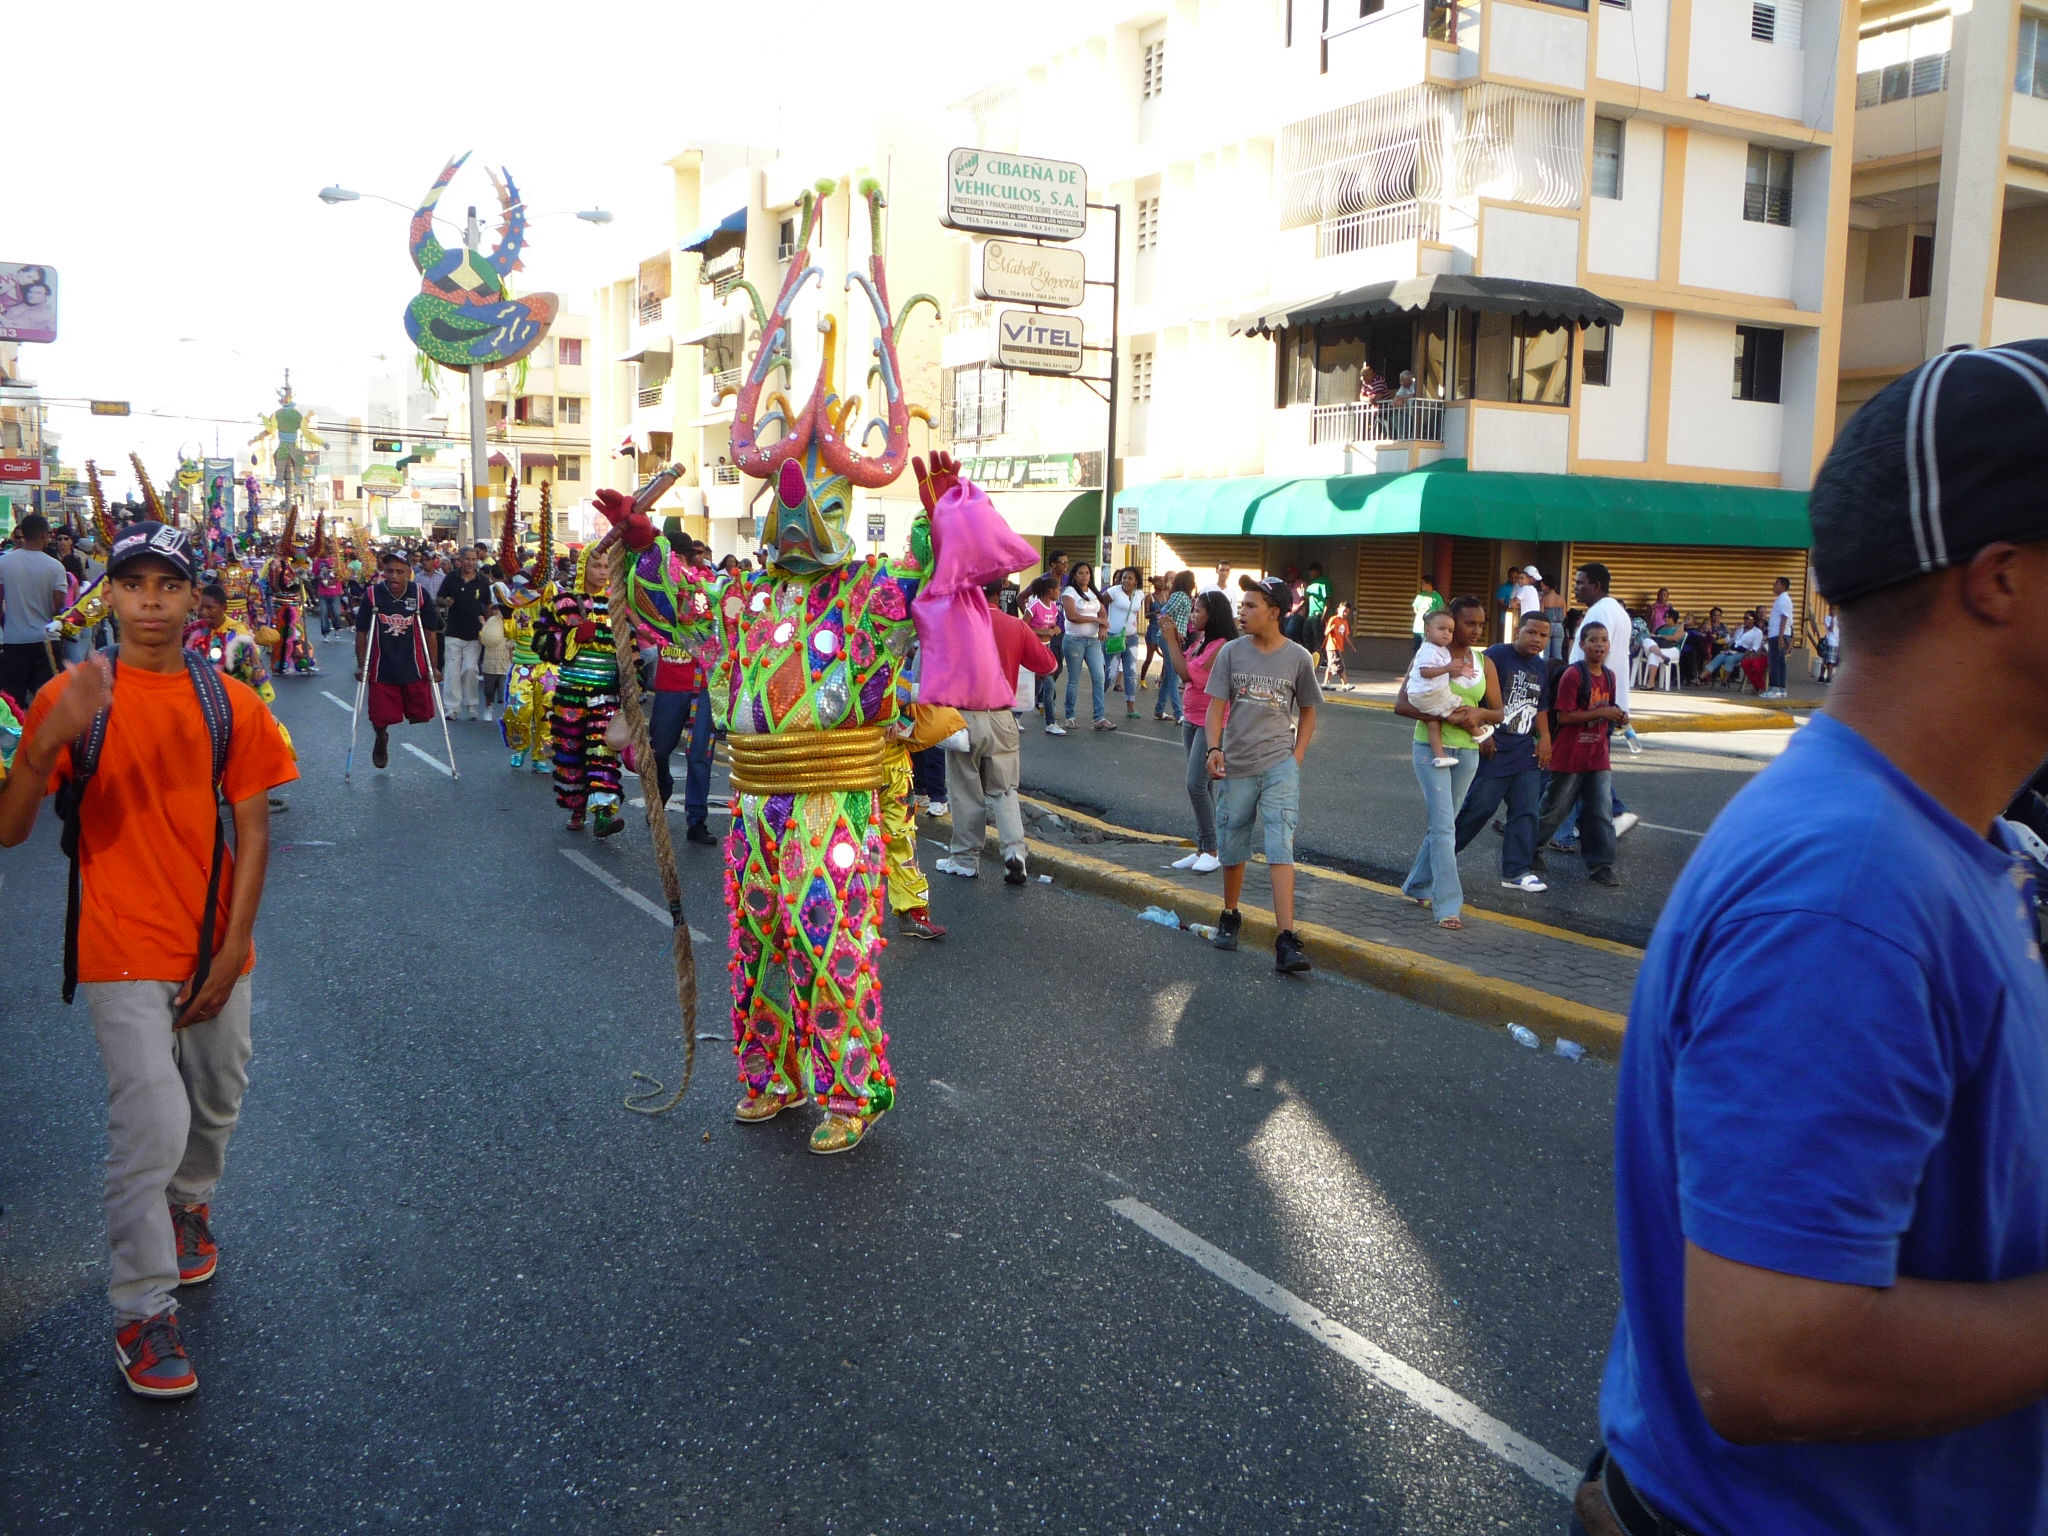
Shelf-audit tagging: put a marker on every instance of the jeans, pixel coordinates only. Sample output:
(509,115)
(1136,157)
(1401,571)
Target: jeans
(172,1102)
(1125,662)
(1776,645)
(330,614)
(672,712)
(1591,793)
(1434,875)
(928,773)
(1524,793)
(1168,704)
(1570,830)
(1047,692)
(1201,788)
(1081,651)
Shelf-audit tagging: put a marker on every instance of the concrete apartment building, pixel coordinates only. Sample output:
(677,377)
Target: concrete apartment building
(539,428)
(1948,211)
(670,338)
(1455,191)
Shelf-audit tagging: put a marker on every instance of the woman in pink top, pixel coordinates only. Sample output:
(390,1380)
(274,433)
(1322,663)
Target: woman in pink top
(1211,626)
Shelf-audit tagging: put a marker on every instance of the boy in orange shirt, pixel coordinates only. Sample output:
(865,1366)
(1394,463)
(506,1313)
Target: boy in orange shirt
(172,1022)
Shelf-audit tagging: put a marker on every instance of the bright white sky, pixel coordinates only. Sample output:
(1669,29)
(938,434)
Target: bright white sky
(167,158)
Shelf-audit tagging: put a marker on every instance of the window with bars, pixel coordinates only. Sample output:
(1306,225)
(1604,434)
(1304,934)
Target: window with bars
(1906,59)
(569,351)
(1148,224)
(975,402)
(1759,362)
(572,467)
(1777,21)
(1767,188)
(1152,74)
(2031,77)
(569,411)
(1607,142)
(1141,377)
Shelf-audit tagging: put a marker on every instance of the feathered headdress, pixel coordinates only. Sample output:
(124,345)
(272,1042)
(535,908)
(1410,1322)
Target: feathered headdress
(544,562)
(319,550)
(508,540)
(102,528)
(149,496)
(291,527)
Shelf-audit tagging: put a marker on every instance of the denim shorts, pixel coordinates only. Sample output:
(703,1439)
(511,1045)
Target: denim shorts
(1273,800)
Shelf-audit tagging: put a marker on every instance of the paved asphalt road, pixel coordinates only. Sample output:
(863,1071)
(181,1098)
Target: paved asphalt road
(1361,809)
(463,1290)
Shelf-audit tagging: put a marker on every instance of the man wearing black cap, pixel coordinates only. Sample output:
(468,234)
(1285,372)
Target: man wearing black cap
(399,663)
(166,974)
(1831,1156)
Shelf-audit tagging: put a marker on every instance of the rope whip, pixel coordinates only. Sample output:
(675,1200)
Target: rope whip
(640,1101)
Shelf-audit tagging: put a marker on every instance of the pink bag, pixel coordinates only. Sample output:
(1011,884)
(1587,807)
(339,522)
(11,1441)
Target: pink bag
(971,547)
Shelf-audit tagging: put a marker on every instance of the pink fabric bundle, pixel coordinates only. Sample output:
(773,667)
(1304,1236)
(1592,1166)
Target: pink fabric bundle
(971,547)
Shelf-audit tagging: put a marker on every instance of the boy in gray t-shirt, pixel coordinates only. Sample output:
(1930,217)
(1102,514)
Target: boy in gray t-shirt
(1262,682)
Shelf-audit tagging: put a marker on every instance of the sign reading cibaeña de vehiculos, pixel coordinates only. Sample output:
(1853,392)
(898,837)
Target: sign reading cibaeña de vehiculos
(993,193)
(1032,274)
(1036,343)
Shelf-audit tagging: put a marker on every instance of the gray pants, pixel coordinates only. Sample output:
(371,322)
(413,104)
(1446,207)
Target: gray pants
(981,785)
(172,1100)
(462,667)
(1201,788)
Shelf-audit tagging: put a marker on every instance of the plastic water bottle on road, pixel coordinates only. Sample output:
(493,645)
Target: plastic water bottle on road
(1521,1034)
(1635,746)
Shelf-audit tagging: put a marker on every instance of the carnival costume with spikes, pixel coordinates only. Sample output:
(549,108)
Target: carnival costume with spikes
(290,597)
(530,687)
(811,646)
(586,698)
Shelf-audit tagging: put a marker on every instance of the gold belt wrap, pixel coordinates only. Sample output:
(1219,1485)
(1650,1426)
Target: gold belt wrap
(808,762)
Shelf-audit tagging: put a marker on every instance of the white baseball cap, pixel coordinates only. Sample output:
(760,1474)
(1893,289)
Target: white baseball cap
(1532,573)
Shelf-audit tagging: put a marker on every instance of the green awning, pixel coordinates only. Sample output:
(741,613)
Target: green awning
(1448,498)
(1082,518)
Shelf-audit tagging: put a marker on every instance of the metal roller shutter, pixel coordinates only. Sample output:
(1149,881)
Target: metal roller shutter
(1475,572)
(1699,576)
(1389,572)
(1197,553)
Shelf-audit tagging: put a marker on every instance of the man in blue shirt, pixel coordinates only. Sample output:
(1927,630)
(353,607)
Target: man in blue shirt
(1831,1156)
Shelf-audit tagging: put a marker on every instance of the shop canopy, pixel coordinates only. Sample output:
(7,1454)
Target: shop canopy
(1445,497)
(1413,295)
(528,459)
(734,223)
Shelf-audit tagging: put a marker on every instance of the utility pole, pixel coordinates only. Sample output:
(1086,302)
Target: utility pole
(1116,259)
(479,469)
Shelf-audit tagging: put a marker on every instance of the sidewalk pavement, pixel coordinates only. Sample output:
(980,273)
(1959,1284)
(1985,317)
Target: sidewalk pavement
(1499,968)
(1691,709)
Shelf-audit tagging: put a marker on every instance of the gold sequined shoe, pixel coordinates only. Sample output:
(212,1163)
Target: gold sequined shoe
(756,1107)
(839,1133)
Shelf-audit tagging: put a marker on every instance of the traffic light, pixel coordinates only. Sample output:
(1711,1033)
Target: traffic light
(388,444)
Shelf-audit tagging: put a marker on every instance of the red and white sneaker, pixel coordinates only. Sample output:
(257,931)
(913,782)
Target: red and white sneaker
(198,1254)
(152,1358)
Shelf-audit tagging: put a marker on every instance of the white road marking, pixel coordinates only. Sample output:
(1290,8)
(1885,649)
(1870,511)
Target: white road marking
(1656,826)
(618,887)
(425,758)
(1554,1473)
(340,704)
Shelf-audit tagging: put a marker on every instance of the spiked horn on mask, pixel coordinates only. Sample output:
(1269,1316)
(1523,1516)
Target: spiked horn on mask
(508,541)
(102,527)
(149,496)
(285,539)
(544,562)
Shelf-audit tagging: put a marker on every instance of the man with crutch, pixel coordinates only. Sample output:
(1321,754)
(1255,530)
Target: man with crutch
(393,660)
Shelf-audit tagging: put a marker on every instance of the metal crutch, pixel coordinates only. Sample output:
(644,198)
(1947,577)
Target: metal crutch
(355,714)
(446,741)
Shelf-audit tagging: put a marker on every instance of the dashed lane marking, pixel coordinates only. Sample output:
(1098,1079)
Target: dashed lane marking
(1658,826)
(338,703)
(619,888)
(1426,1393)
(428,758)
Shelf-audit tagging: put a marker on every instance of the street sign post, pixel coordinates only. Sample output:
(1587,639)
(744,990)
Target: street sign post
(992,193)
(1127,524)
(1052,275)
(1033,343)
(110,407)
(878,527)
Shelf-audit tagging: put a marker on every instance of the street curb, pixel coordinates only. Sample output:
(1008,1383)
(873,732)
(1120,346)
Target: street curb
(1760,718)
(1405,973)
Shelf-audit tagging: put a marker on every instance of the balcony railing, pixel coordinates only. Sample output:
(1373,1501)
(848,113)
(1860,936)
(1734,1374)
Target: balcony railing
(1379,226)
(723,384)
(650,311)
(651,395)
(1378,421)
(725,474)
(726,282)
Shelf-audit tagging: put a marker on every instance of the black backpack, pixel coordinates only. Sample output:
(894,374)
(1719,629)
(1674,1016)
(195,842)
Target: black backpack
(85,762)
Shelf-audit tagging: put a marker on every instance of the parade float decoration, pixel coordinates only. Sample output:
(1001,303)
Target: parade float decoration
(89,608)
(465,314)
(286,436)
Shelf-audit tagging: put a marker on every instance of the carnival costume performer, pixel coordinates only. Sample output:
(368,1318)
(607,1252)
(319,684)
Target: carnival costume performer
(669,598)
(812,644)
(214,630)
(586,698)
(12,716)
(291,596)
(530,686)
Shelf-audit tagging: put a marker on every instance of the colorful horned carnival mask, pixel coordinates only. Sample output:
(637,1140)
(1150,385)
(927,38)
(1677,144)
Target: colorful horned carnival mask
(821,454)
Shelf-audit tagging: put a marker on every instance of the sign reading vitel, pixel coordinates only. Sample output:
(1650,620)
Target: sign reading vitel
(28,302)
(110,407)
(992,193)
(1032,274)
(1035,343)
(878,527)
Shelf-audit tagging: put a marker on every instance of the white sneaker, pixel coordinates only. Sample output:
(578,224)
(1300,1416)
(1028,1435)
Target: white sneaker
(1055,729)
(1527,881)
(955,867)
(1624,821)
(938,808)
(1205,864)
(1186,863)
